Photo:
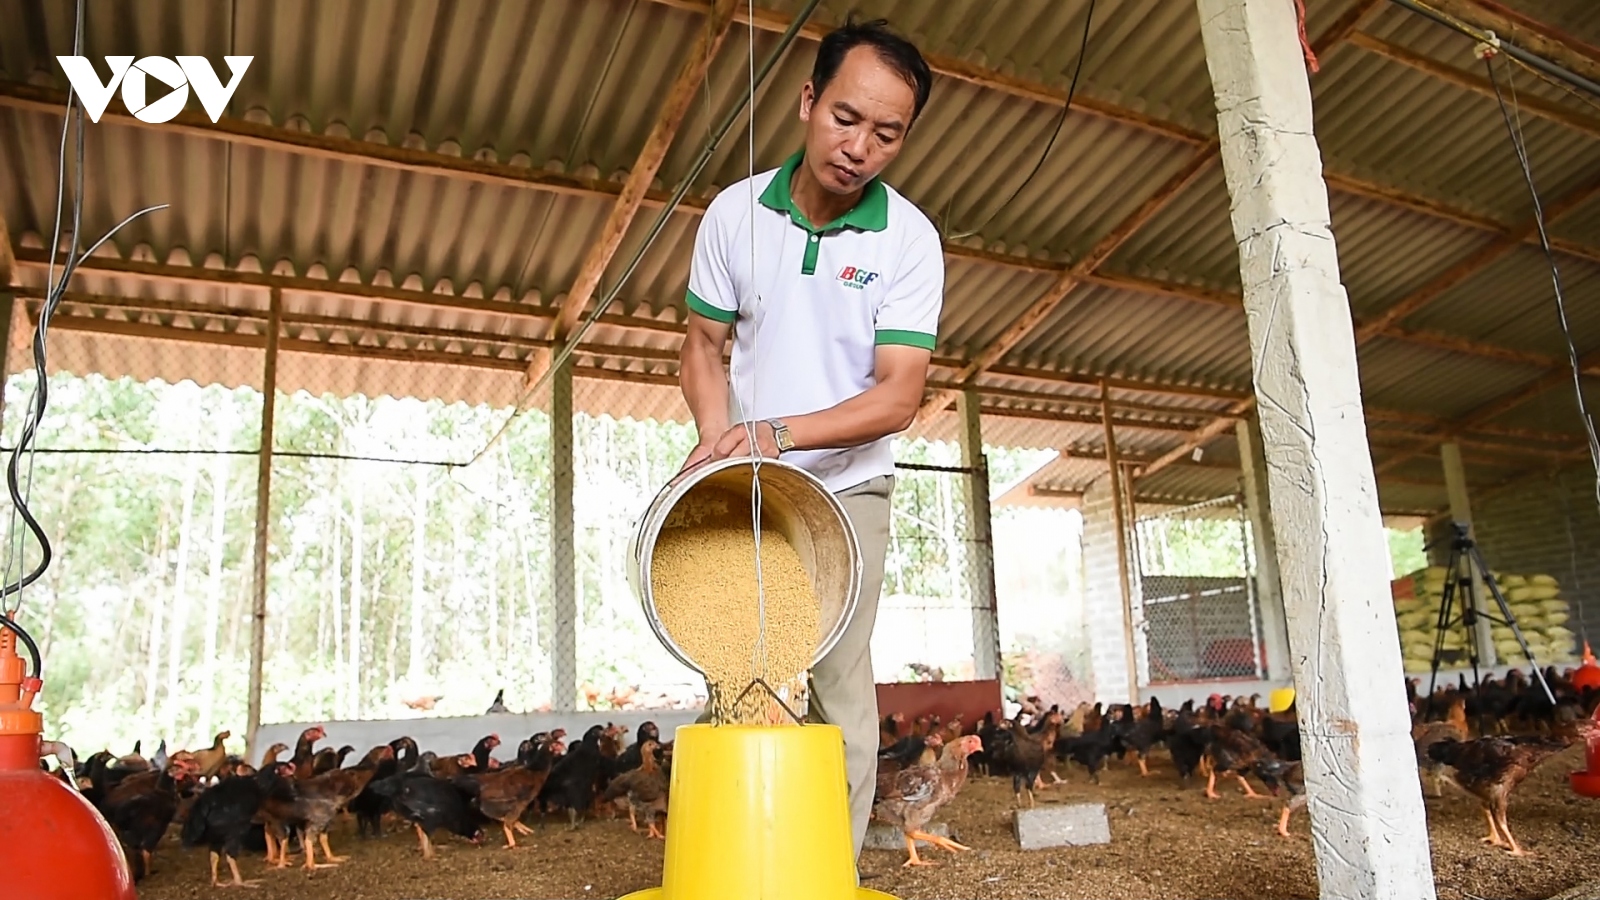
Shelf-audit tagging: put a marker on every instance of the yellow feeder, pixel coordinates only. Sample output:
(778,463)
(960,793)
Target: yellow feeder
(758,813)
(762,812)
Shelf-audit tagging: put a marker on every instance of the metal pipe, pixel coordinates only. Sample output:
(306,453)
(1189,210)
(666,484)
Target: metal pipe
(1533,60)
(700,163)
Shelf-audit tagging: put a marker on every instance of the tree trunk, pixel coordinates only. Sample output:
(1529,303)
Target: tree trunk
(152,669)
(419,562)
(357,551)
(219,541)
(336,577)
(180,604)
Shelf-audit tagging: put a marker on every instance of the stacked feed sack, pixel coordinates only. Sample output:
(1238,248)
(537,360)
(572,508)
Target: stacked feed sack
(1542,615)
(1535,602)
(1417,598)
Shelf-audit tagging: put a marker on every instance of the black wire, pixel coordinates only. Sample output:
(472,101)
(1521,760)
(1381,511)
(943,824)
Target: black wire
(27,641)
(1555,277)
(1083,51)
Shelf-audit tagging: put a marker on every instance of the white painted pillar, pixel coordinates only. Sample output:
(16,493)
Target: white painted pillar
(1455,485)
(985,607)
(1369,831)
(563,549)
(1269,589)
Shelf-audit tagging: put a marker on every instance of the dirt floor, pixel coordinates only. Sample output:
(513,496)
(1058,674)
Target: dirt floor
(1167,842)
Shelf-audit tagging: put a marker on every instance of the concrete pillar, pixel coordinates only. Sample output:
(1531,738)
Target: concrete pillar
(1369,830)
(1269,589)
(1104,610)
(985,609)
(1455,485)
(563,547)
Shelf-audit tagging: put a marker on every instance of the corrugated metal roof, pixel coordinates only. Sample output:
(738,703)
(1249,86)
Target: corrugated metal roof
(573,87)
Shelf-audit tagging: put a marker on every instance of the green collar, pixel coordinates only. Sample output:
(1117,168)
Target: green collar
(871,212)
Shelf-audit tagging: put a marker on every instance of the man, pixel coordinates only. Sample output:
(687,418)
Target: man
(833,318)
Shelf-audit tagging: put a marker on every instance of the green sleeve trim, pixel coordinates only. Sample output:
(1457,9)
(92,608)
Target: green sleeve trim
(895,337)
(715,314)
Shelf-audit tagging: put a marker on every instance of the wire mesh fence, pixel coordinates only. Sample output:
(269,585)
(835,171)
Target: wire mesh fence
(409,571)
(936,619)
(1201,618)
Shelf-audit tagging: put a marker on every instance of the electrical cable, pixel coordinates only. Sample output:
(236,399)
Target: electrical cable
(27,641)
(55,293)
(1573,357)
(1083,52)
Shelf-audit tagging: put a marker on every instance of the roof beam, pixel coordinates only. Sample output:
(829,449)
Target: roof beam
(1046,303)
(1528,33)
(668,119)
(1531,103)
(960,69)
(7,259)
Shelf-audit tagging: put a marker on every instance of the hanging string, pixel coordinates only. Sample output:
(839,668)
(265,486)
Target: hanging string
(1305,42)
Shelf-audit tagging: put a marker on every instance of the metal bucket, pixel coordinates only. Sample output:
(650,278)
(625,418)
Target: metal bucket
(797,505)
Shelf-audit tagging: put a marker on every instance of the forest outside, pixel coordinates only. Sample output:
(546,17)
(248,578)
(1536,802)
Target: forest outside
(397,586)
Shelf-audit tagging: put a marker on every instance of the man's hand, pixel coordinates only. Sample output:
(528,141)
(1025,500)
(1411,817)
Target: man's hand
(733,442)
(736,442)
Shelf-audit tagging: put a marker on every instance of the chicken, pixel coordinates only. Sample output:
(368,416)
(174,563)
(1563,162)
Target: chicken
(316,801)
(983,760)
(272,754)
(1425,734)
(574,779)
(1091,748)
(499,704)
(140,809)
(448,767)
(425,702)
(892,729)
(1140,730)
(222,816)
(1490,768)
(429,804)
(631,757)
(209,760)
(951,731)
(304,752)
(645,789)
(501,795)
(919,791)
(1187,742)
(328,759)
(368,806)
(1292,776)
(483,752)
(1025,753)
(1232,751)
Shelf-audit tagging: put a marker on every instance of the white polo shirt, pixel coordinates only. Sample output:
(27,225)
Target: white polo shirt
(809,313)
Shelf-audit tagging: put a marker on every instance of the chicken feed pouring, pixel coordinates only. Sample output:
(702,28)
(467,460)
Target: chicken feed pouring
(706,593)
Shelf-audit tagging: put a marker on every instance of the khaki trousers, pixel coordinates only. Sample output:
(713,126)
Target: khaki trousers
(844,692)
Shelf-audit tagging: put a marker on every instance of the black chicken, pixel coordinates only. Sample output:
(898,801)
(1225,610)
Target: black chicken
(429,804)
(575,778)
(221,817)
(369,806)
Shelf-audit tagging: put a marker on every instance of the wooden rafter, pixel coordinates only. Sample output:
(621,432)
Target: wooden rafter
(1528,33)
(1040,308)
(1529,103)
(668,119)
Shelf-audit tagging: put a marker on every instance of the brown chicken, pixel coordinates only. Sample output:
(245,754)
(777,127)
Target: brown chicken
(210,760)
(1490,768)
(950,732)
(1292,776)
(1233,752)
(272,754)
(1425,734)
(645,790)
(919,791)
(316,801)
(1026,752)
(305,751)
(502,794)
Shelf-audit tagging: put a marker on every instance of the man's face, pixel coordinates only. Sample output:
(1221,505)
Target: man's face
(858,125)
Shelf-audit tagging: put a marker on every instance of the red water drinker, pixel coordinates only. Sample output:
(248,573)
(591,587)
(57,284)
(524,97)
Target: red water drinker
(54,845)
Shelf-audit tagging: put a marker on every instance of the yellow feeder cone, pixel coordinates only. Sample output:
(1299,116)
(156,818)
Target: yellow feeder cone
(758,813)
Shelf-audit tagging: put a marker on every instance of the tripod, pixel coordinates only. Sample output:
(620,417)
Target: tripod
(1464,558)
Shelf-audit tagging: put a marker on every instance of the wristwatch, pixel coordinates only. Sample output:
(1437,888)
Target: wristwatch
(780,433)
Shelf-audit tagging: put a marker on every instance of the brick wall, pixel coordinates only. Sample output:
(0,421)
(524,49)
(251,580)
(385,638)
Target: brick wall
(1547,526)
(1103,596)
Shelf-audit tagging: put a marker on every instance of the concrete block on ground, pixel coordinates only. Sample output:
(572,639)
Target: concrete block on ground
(888,837)
(1075,825)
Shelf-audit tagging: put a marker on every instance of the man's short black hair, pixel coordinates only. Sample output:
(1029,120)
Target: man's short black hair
(895,51)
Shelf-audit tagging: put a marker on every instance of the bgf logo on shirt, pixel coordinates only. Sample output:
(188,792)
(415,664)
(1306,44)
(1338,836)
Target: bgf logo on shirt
(852,277)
